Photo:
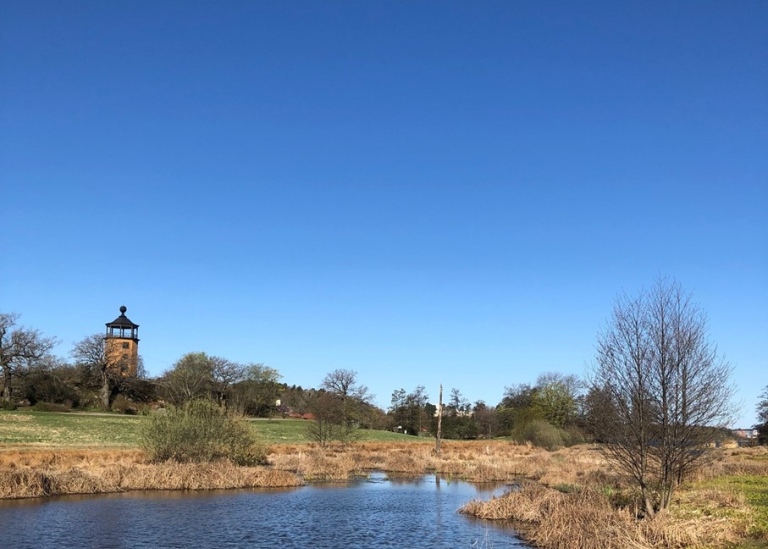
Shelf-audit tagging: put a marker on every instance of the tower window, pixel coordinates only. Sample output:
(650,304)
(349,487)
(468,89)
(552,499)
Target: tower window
(126,345)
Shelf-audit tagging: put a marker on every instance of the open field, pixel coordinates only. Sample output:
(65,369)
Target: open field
(569,498)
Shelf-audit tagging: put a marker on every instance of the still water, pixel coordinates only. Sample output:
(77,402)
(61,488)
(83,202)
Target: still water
(373,513)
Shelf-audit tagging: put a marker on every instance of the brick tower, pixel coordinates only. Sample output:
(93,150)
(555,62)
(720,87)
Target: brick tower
(121,345)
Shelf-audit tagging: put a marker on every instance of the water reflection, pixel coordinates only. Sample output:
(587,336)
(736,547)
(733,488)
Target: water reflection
(378,512)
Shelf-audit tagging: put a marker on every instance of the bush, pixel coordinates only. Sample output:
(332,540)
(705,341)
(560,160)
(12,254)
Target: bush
(200,431)
(540,433)
(124,406)
(572,435)
(51,407)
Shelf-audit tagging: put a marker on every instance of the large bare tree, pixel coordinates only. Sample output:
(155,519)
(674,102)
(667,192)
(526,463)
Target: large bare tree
(91,357)
(90,354)
(199,375)
(343,384)
(667,386)
(344,402)
(20,347)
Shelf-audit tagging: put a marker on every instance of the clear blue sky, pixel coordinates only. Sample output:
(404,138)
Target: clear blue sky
(424,192)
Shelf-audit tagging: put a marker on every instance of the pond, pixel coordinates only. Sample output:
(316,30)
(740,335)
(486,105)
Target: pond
(374,513)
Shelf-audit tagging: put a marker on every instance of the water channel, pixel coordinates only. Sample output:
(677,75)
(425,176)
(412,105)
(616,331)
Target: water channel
(378,513)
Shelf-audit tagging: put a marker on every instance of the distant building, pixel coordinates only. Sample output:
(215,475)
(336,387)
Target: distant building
(745,437)
(121,345)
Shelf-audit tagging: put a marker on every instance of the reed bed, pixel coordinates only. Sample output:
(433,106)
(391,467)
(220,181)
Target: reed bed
(31,473)
(40,472)
(497,461)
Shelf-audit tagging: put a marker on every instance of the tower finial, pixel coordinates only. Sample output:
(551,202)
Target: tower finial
(123,308)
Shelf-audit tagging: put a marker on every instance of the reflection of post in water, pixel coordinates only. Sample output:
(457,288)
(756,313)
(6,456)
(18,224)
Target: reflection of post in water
(438,503)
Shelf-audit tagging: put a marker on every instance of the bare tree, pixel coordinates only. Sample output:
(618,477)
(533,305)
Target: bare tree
(91,356)
(199,375)
(189,378)
(19,348)
(667,386)
(485,418)
(344,403)
(224,374)
(343,384)
(327,424)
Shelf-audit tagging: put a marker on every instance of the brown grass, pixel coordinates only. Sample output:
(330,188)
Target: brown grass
(39,472)
(36,473)
(587,519)
(497,461)
(576,503)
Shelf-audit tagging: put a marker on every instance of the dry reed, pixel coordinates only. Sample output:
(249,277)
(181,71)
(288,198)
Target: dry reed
(497,461)
(578,503)
(45,473)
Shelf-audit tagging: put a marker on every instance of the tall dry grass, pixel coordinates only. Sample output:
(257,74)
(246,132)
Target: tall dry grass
(38,473)
(497,461)
(587,519)
(35,473)
(577,502)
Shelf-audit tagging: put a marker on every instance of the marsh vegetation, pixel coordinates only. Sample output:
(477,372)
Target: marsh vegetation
(563,495)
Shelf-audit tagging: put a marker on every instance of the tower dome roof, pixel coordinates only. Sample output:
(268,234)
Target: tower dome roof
(122,321)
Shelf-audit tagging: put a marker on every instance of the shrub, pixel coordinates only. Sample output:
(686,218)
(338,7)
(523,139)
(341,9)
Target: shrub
(572,435)
(124,406)
(51,407)
(201,431)
(540,433)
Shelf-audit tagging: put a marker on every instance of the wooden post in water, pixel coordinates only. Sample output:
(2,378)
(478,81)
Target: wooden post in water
(439,421)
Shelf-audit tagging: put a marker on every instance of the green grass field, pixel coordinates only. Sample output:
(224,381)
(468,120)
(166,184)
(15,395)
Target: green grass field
(73,430)
(755,490)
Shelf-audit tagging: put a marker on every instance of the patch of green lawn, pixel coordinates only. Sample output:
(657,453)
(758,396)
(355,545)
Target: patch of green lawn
(294,431)
(68,430)
(73,430)
(755,491)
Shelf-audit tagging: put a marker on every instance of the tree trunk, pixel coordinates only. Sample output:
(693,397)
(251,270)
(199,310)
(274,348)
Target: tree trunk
(647,500)
(106,392)
(666,494)
(6,384)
